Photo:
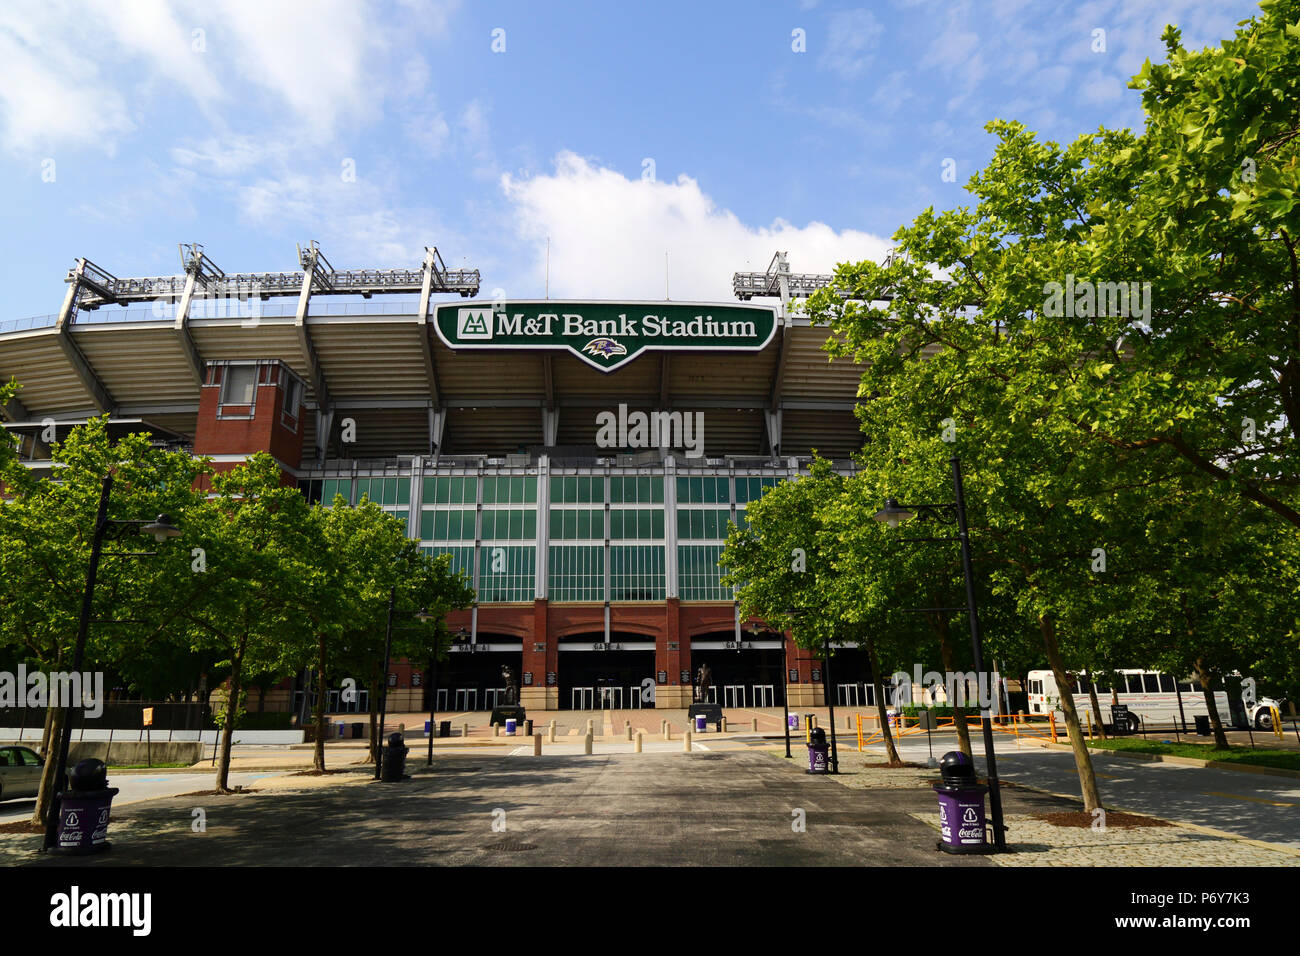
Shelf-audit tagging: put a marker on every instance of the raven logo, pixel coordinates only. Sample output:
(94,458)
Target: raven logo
(606,347)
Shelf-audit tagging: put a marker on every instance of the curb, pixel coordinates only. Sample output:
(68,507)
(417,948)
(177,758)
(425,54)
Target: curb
(1174,760)
(1194,827)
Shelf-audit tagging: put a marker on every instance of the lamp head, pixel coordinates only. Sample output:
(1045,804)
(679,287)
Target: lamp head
(162,528)
(893,514)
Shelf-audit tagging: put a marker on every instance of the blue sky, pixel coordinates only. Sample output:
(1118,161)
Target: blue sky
(623,131)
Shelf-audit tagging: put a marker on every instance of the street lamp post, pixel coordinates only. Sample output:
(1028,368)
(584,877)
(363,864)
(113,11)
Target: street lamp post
(828,688)
(785,690)
(893,514)
(424,616)
(383,685)
(161,528)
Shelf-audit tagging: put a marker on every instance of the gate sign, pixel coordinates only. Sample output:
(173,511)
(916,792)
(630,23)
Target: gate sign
(148,716)
(606,335)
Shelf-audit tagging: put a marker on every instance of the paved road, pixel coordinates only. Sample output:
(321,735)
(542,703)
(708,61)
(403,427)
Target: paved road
(1255,806)
(137,787)
(704,809)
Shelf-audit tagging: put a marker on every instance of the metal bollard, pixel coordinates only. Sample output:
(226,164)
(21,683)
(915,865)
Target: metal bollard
(586,745)
(687,742)
(537,745)
(636,747)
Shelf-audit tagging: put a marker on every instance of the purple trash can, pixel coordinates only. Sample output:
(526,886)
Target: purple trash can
(961,806)
(793,721)
(817,758)
(84,810)
(701,723)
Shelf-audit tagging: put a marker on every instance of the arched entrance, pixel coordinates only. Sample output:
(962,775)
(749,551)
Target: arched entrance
(471,678)
(746,673)
(595,672)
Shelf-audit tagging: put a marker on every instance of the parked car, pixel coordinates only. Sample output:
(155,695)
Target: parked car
(20,773)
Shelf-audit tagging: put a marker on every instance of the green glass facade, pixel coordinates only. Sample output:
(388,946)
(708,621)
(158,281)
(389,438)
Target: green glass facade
(588,537)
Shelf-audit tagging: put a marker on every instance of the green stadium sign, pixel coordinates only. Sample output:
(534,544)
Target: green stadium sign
(606,335)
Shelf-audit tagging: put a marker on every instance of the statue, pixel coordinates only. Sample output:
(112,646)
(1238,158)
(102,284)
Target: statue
(512,686)
(702,681)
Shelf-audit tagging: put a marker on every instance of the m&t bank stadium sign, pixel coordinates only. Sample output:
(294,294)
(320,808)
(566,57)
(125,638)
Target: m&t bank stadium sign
(606,335)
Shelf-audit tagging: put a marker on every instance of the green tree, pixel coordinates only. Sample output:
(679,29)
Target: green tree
(46,529)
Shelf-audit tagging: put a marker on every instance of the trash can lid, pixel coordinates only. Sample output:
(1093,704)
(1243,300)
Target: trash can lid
(89,774)
(818,736)
(394,740)
(956,764)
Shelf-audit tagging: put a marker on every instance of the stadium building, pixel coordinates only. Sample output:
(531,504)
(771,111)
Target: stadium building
(580,461)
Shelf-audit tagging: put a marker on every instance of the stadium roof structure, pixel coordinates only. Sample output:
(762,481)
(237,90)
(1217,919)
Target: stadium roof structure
(385,364)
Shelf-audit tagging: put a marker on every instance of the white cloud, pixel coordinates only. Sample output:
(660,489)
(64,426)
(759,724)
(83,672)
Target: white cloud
(850,39)
(609,234)
(89,73)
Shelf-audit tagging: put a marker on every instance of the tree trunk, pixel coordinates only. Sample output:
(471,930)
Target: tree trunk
(45,734)
(1082,759)
(228,720)
(1096,707)
(45,796)
(894,759)
(318,757)
(1203,675)
(949,665)
(374,720)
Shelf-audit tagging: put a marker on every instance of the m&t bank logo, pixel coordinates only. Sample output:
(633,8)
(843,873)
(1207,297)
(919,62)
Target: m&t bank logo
(474,324)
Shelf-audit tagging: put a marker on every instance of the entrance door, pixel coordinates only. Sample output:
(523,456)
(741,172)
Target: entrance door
(733,695)
(848,694)
(611,698)
(467,698)
(441,699)
(583,697)
(764,695)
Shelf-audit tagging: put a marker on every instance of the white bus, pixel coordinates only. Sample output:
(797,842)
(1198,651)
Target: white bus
(1150,696)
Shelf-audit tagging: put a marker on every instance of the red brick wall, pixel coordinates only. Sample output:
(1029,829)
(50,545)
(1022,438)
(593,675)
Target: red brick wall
(265,431)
